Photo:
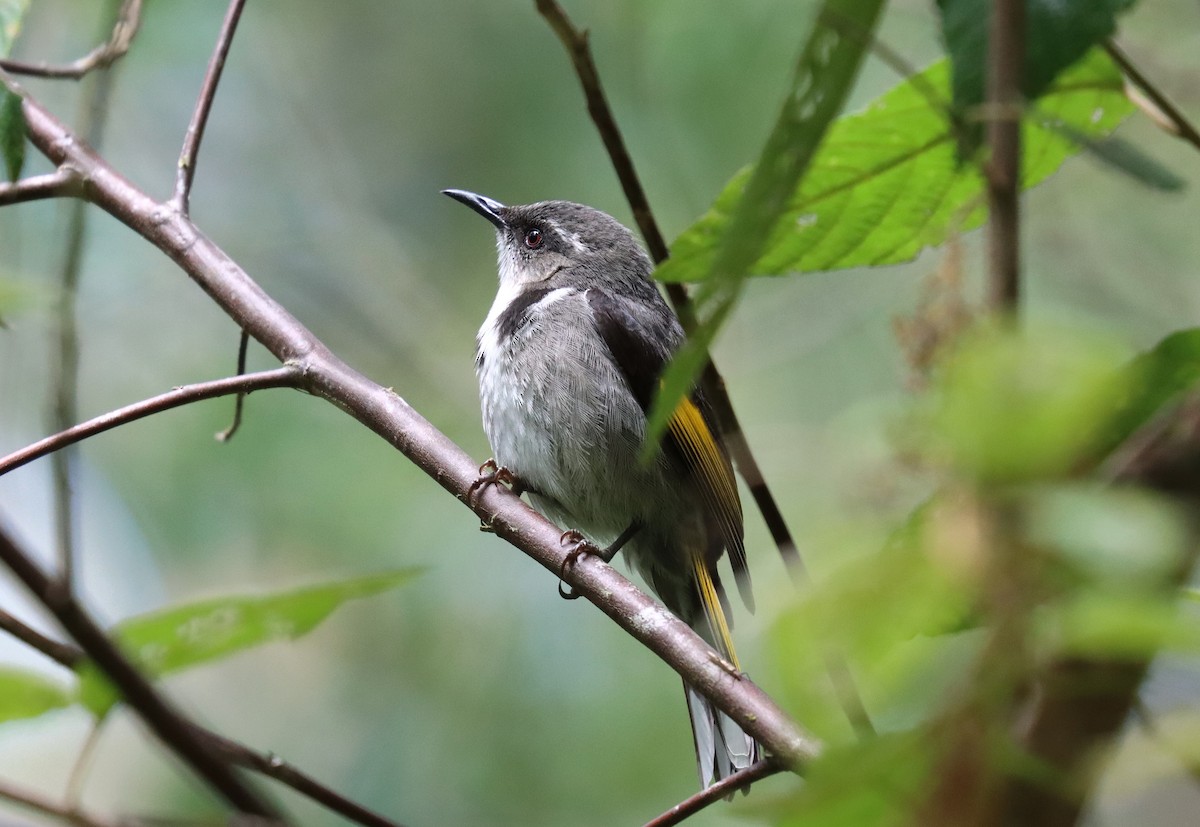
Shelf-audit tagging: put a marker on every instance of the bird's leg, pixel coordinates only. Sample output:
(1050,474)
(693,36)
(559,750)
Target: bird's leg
(490,474)
(583,545)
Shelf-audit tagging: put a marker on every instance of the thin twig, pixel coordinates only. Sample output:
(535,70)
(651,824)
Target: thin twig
(575,40)
(1006,57)
(272,766)
(39,803)
(282,377)
(58,184)
(128,19)
(74,793)
(186,173)
(157,713)
(742,779)
(1177,122)
(63,653)
(65,349)
(227,434)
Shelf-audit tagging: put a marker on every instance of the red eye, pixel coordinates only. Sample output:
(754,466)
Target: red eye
(533,239)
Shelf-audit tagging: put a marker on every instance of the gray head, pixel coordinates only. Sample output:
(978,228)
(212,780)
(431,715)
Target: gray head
(554,243)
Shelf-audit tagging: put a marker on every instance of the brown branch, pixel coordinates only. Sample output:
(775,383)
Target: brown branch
(186,172)
(128,19)
(1176,122)
(1006,59)
(157,713)
(740,780)
(62,183)
(63,653)
(389,416)
(283,377)
(227,434)
(267,764)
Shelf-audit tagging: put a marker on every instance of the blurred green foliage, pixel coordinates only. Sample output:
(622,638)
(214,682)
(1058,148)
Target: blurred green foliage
(475,695)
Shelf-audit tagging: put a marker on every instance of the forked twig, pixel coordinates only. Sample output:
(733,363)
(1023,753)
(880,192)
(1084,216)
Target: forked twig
(129,17)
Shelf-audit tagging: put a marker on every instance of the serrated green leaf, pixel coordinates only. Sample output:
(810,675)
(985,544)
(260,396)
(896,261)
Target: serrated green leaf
(824,75)
(885,184)
(1057,34)
(26,694)
(12,134)
(180,637)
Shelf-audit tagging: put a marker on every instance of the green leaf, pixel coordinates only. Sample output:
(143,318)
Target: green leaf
(1114,624)
(820,84)
(11,14)
(12,122)
(1015,405)
(177,638)
(27,695)
(1125,158)
(1057,34)
(12,134)
(1158,378)
(873,783)
(885,184)
(1123,538)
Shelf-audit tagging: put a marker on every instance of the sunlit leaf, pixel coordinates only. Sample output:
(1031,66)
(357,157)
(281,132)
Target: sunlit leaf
(176,638)
(885,184)
(27,694)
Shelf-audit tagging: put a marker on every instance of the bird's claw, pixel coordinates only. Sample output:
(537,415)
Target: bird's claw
(582,546)
(490,474)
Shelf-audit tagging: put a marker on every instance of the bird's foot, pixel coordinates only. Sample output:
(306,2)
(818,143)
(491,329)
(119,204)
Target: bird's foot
(490,474)
(580,546)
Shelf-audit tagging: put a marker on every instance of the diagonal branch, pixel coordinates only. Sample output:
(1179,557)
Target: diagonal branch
(740,780)
(158,714)
(1165,113)
(389,416)
(186,173)
(129,17)
(267,764)
(284,377)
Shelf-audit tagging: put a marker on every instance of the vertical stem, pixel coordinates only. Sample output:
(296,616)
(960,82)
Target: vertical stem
(1006,59)
(65,347)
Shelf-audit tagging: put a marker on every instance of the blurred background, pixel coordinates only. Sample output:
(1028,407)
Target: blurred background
(474,695)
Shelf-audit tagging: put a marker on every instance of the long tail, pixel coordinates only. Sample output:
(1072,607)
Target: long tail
(722,747)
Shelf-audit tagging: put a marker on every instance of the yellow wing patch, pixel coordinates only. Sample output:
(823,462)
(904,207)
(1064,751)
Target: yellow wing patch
(712,471)
(713,611)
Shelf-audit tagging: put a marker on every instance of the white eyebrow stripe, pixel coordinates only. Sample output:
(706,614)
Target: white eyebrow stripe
(571,238)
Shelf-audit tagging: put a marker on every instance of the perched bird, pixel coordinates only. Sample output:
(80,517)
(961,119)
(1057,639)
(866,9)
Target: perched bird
(569,359)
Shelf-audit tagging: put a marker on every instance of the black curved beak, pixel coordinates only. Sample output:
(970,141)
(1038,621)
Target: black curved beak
(481,204)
